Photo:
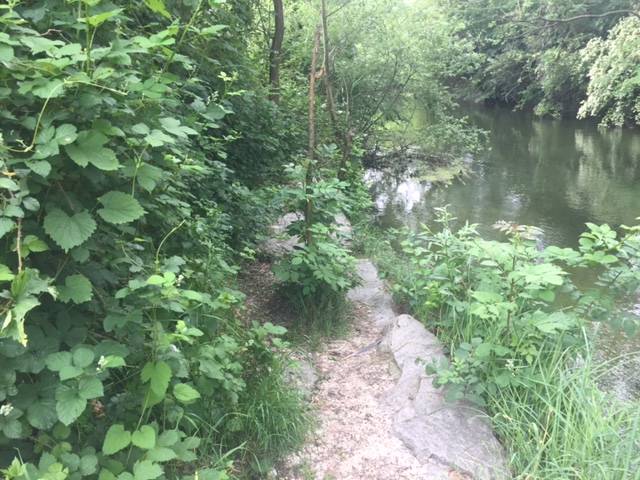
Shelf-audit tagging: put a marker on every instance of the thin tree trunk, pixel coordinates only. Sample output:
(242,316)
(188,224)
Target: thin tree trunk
(308,211)
(276,51)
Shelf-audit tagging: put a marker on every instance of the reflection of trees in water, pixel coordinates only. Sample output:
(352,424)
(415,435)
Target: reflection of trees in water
(605,180)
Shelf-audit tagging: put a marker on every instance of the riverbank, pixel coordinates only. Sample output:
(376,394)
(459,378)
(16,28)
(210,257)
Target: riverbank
(534,371)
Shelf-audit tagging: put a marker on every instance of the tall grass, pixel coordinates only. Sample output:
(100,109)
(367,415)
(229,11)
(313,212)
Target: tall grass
(558,424)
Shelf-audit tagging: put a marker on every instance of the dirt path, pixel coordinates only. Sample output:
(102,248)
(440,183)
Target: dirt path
(355,440)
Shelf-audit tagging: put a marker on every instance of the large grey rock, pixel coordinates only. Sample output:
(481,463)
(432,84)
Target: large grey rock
(373,293)
(280,243)
(302,375)
(453,434)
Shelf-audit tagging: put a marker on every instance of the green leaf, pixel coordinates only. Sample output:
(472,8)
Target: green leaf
(6,275)
(100,18)
(91,388)
(6,53)
(42,414)
(69,371)
(42,168)
(483,350)
(157,138)
(77,289)
(119,207)
(146,470)
(58,360)
(158,7)
(185,393)
(66,231)
(144,438)
(83,357)
(6,225)
(89,148)
(158,376)
(8,184)
(69,404)
(66,134)
(117,438)
(161,454)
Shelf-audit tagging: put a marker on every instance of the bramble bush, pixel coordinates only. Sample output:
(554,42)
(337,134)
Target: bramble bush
(122,356)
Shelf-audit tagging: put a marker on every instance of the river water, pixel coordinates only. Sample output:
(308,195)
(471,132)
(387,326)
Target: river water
(554,174)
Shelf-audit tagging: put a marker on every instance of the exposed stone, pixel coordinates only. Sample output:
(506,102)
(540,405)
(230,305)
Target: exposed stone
(372,292)
(455,434)
(302,375)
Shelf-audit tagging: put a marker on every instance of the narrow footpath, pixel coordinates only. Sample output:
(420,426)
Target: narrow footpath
(369,427)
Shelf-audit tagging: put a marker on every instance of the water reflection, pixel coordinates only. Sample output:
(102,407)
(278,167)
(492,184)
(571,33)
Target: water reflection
(553,174)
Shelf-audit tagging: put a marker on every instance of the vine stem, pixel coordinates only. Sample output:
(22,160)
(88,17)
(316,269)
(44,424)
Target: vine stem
(166,237)
(46,102)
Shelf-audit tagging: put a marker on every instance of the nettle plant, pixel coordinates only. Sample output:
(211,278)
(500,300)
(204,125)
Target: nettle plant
(321,269)
(108,358)
(502,305)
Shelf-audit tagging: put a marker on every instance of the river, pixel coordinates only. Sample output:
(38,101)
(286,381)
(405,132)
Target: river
(554,174)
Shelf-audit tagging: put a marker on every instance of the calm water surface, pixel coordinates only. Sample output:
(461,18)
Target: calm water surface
(555,174)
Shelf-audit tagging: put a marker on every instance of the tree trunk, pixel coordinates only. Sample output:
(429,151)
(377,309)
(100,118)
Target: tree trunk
(276,50)
(308,211)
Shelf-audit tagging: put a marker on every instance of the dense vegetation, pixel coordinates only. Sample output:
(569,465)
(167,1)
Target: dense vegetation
(556,57)
(145,147)
(518,329)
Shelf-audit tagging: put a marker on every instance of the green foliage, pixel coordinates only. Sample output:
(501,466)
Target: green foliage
(121,351)
(318,273)
(516,326)
(551,56)
(614,75)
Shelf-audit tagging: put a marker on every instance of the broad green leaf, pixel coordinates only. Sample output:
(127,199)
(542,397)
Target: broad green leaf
(148,176)
(146,470)
(6,53)
(91,388)
(69,371)
(69,404)
(157,138)
(42,414)
(42,167)
(89,148)
(161,454)
(117,438)
(83,357)
(88,465)
(8,184)
(58,360)
(119,207)
(77,289)
(66,231)
(185,393)
(6,275)
(100,18)
(66,134)
(158,376)
(6,225)
(144,438)
(158,7)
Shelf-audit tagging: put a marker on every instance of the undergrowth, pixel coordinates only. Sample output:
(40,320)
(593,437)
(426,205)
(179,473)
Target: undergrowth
(516,329)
